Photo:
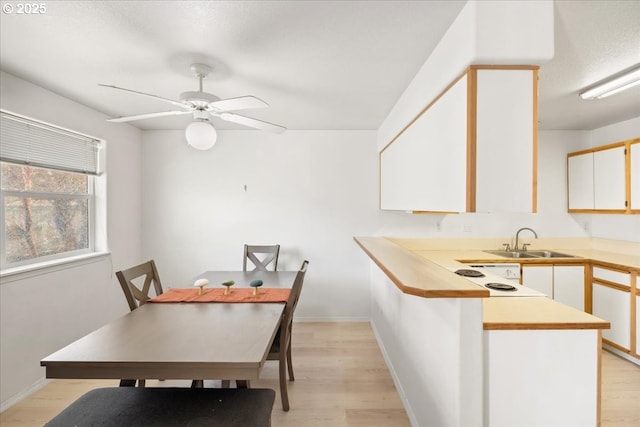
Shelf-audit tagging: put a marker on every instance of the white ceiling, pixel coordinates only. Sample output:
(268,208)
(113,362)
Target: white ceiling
(319,64)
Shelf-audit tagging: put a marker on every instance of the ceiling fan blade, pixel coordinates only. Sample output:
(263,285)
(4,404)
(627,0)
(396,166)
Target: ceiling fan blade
(240,103)
(172,101)
(148,116)
(253,123)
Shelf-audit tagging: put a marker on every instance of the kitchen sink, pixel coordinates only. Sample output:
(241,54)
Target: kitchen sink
(511,254)
(550,254)
(530,254)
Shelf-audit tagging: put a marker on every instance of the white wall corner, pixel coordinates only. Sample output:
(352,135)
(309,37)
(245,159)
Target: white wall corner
(484,32)
(514,32)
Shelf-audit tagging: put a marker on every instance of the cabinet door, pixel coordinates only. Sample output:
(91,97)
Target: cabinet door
(613,305)
(580,170)
(638,325)
(568,285)
(504,141)
(635,175)
(425,167)
(538,277)
(609,186)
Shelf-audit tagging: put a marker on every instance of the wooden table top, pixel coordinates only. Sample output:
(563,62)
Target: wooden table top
(179,341)
(270,279)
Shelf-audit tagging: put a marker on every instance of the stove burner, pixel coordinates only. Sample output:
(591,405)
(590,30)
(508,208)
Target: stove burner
(469,273)
(500,286)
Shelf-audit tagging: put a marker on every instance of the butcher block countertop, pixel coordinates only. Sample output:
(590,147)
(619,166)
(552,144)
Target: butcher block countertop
(510,313)
(425,273)
(414,275)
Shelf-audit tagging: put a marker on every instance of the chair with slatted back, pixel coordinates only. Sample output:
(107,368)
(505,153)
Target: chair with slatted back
(261,256)
(281,347)
(138,294)
(146,274)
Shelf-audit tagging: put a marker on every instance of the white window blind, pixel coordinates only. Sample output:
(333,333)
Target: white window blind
(28,142)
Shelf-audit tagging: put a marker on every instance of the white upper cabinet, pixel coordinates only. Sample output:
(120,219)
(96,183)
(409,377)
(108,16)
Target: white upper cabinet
(465,150)
(609,190)
(504,141)
(580,169)
(603,179)
(424,168)
(634,170)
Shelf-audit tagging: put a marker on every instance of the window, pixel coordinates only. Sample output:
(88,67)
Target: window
(47,202)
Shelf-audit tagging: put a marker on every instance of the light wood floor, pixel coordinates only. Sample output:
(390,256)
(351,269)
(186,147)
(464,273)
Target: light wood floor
(341,381)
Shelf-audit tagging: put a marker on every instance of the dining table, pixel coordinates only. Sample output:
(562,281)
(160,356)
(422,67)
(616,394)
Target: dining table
(185,340)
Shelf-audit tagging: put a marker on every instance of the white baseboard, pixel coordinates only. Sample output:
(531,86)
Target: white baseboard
(394,376)
(23,394)
(331,319)
(622,354)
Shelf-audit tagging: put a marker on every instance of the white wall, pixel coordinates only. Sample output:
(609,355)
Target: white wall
(524,35)
(44,312)
(309,191)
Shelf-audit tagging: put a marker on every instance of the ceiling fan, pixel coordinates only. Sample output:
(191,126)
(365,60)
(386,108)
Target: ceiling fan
(203,106)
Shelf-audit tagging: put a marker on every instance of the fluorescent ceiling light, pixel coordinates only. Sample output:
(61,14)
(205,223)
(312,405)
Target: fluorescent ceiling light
(623,80)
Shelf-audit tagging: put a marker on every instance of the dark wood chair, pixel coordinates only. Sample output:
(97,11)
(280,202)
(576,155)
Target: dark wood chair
(261,256)
(146,274)
(281,347)
(136,283)
(175,407)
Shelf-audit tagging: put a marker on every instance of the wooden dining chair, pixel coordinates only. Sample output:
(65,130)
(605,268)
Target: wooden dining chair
(261,256)
(281,347)
(146,274)
(136,283)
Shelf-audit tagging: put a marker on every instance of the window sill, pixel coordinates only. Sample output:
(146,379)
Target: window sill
(32,270)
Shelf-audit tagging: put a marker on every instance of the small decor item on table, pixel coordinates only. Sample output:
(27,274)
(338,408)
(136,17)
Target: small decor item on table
(201,283)
(255,284)
(228,285)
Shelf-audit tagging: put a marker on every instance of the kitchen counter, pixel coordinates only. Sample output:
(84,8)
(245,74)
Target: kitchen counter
(415,275)
(425,273)
(454,351)
(535,313)
(615,254)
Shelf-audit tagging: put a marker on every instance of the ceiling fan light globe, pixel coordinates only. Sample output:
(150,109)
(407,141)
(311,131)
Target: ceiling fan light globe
(201,135)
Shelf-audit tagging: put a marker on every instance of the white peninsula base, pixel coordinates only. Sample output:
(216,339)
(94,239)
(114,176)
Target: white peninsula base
(541,378)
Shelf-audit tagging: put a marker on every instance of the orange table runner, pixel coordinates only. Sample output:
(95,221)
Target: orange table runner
(217,295)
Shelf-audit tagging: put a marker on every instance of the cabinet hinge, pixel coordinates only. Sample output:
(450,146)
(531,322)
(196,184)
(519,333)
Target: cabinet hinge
(626,203)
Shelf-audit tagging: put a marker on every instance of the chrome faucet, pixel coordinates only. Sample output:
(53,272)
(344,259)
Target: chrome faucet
(524,246)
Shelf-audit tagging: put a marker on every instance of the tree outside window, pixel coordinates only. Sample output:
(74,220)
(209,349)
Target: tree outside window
(47,213)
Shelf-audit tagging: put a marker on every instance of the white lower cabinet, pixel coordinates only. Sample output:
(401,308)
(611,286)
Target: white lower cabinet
(562,283)
(637,325)
(611,300)
(538,277)
(614,305)
(568,285)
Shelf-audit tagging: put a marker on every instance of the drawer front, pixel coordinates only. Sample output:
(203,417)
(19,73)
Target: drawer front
(612,276)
